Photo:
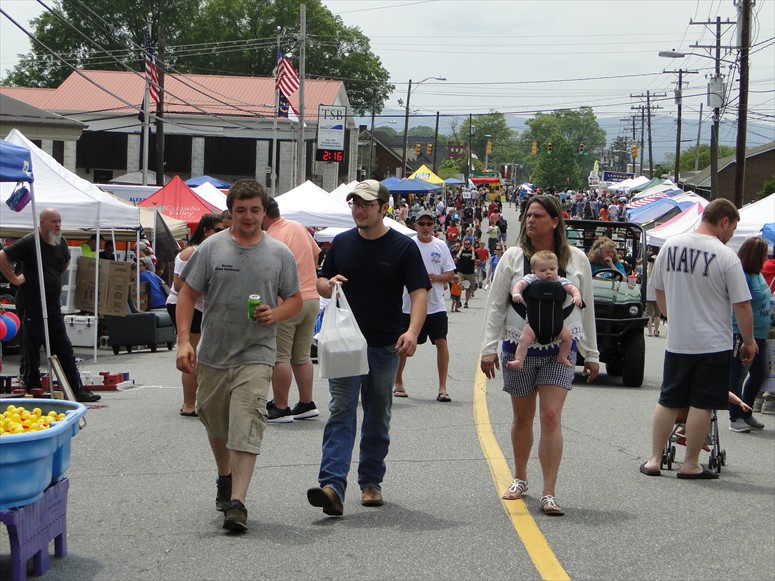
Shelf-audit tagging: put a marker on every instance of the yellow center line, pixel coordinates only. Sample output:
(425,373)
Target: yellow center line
(544,559)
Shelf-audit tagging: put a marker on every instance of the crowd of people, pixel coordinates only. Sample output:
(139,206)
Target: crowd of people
(237,382)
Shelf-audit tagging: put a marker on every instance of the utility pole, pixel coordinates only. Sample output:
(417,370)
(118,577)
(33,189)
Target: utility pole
(744,26)
(406,130)
(647,111)
(715,100)
(159,137)
(679,103)
(435,141)
(470,130)
(300,144)
(699,134)
(371,139)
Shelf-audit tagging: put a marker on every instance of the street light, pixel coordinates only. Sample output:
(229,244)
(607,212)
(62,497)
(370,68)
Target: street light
(406,119)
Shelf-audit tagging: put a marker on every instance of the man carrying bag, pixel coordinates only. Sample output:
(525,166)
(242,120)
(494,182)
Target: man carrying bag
(373,264)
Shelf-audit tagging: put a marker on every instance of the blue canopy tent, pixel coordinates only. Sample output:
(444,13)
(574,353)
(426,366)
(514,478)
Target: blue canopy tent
(390,182)
(768,232)
(16,166)
(15,163)
(453,182)
(199,180)
(410,186)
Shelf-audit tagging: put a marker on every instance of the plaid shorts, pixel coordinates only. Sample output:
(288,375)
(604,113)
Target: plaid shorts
(541,370)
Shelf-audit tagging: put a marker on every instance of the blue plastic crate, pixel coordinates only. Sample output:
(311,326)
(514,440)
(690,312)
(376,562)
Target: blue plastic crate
(29,463)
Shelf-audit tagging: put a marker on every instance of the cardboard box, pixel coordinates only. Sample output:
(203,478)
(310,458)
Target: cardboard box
(143,304)
(114,286)
(81,330)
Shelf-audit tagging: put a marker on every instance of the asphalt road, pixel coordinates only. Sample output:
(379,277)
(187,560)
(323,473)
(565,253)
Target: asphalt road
(141,503)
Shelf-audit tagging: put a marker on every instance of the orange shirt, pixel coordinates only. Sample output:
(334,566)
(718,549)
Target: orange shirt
(455,289)
(305,250)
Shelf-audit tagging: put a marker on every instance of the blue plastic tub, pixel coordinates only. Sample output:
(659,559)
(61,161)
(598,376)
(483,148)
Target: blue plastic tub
(30,463)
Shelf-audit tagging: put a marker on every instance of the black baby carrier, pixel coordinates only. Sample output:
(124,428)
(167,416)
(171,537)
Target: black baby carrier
(543,307)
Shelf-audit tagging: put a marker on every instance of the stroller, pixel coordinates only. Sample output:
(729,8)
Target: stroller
(718,456)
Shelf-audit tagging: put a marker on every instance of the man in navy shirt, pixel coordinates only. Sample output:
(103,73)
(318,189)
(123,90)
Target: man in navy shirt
(373,264)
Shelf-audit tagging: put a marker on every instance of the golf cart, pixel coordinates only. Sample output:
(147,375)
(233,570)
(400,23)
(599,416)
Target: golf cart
(620,301)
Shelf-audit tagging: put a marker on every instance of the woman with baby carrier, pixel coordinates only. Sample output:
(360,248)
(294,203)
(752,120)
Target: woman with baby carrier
(543,383)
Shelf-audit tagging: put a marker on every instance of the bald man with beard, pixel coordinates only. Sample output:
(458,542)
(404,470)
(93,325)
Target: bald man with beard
(55,255)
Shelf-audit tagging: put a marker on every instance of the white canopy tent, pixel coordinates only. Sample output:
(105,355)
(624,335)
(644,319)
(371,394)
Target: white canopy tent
(81,204)
(328,234)
(212,195)
(753,217)
(312,206)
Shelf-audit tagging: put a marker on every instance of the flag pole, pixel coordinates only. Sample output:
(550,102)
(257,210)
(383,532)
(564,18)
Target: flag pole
(300,148)
(146,113)
(274,118)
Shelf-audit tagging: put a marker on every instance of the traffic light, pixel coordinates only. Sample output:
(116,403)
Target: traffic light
(634,151)
(549,148)
(489,147)
(581,148)
(417,150)
(534,148)
(429,149)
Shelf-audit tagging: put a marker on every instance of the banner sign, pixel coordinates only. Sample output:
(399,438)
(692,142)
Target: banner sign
(331,121)
(617,176)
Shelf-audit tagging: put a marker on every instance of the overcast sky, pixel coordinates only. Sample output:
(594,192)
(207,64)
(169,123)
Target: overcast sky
(519,57)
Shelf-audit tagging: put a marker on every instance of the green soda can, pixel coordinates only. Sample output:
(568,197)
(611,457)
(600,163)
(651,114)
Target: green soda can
(254,301)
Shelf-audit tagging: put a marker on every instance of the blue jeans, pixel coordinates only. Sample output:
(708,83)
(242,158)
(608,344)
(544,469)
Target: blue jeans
(376,392)
(757,374)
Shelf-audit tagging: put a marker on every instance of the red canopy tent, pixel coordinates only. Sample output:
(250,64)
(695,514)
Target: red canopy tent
(176,199)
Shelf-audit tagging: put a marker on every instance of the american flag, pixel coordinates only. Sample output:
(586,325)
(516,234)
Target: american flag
(287,78)
(151,74)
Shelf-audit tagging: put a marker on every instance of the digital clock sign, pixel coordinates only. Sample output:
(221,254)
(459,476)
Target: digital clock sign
(330,155)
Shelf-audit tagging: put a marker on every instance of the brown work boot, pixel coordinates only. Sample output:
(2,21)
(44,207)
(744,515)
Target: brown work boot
(371,496)
(327,499)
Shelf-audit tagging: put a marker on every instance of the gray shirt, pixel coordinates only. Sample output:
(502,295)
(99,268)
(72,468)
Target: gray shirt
(227,274)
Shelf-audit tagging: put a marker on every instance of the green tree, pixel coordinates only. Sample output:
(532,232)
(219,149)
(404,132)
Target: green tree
(575,126)
(235,37)
(448,168)
(768,188)
(689,157)
(558,168)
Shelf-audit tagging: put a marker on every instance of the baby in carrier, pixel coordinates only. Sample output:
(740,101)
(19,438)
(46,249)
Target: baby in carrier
(545,292)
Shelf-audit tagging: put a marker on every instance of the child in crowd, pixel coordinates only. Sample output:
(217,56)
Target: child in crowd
(545,267)
(455,292)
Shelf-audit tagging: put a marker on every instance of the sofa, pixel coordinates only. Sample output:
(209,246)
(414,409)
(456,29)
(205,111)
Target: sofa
(148,328)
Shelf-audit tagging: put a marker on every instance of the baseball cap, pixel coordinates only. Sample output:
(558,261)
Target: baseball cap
(424,214)
(370,190)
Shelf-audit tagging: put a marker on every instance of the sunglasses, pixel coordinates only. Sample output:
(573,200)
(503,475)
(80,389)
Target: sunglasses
(425,223)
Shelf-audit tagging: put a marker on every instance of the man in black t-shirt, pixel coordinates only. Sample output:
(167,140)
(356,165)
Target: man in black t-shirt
(55,256)
(373,264)
(466,268)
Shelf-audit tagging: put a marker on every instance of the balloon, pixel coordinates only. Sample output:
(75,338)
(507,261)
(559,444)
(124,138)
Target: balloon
(11,328)
(3,330)
(11,315)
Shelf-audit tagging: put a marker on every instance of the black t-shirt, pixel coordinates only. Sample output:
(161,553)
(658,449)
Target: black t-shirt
(55,259)
(466,263)
(376,272)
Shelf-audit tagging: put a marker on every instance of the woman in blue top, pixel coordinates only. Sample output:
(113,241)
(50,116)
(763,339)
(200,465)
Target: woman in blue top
(753,254)
(603,256)
(493,263)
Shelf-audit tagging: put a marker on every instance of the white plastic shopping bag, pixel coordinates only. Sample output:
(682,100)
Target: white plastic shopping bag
(342,349)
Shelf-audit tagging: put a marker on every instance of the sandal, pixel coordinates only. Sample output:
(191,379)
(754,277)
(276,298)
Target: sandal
(515,491)
(443,397)
(549,506)
(399,392)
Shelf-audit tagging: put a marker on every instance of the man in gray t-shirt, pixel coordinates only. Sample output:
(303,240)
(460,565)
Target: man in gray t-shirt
(236,355)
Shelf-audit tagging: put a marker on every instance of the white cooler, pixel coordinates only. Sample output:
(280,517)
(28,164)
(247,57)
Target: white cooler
(81,329)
